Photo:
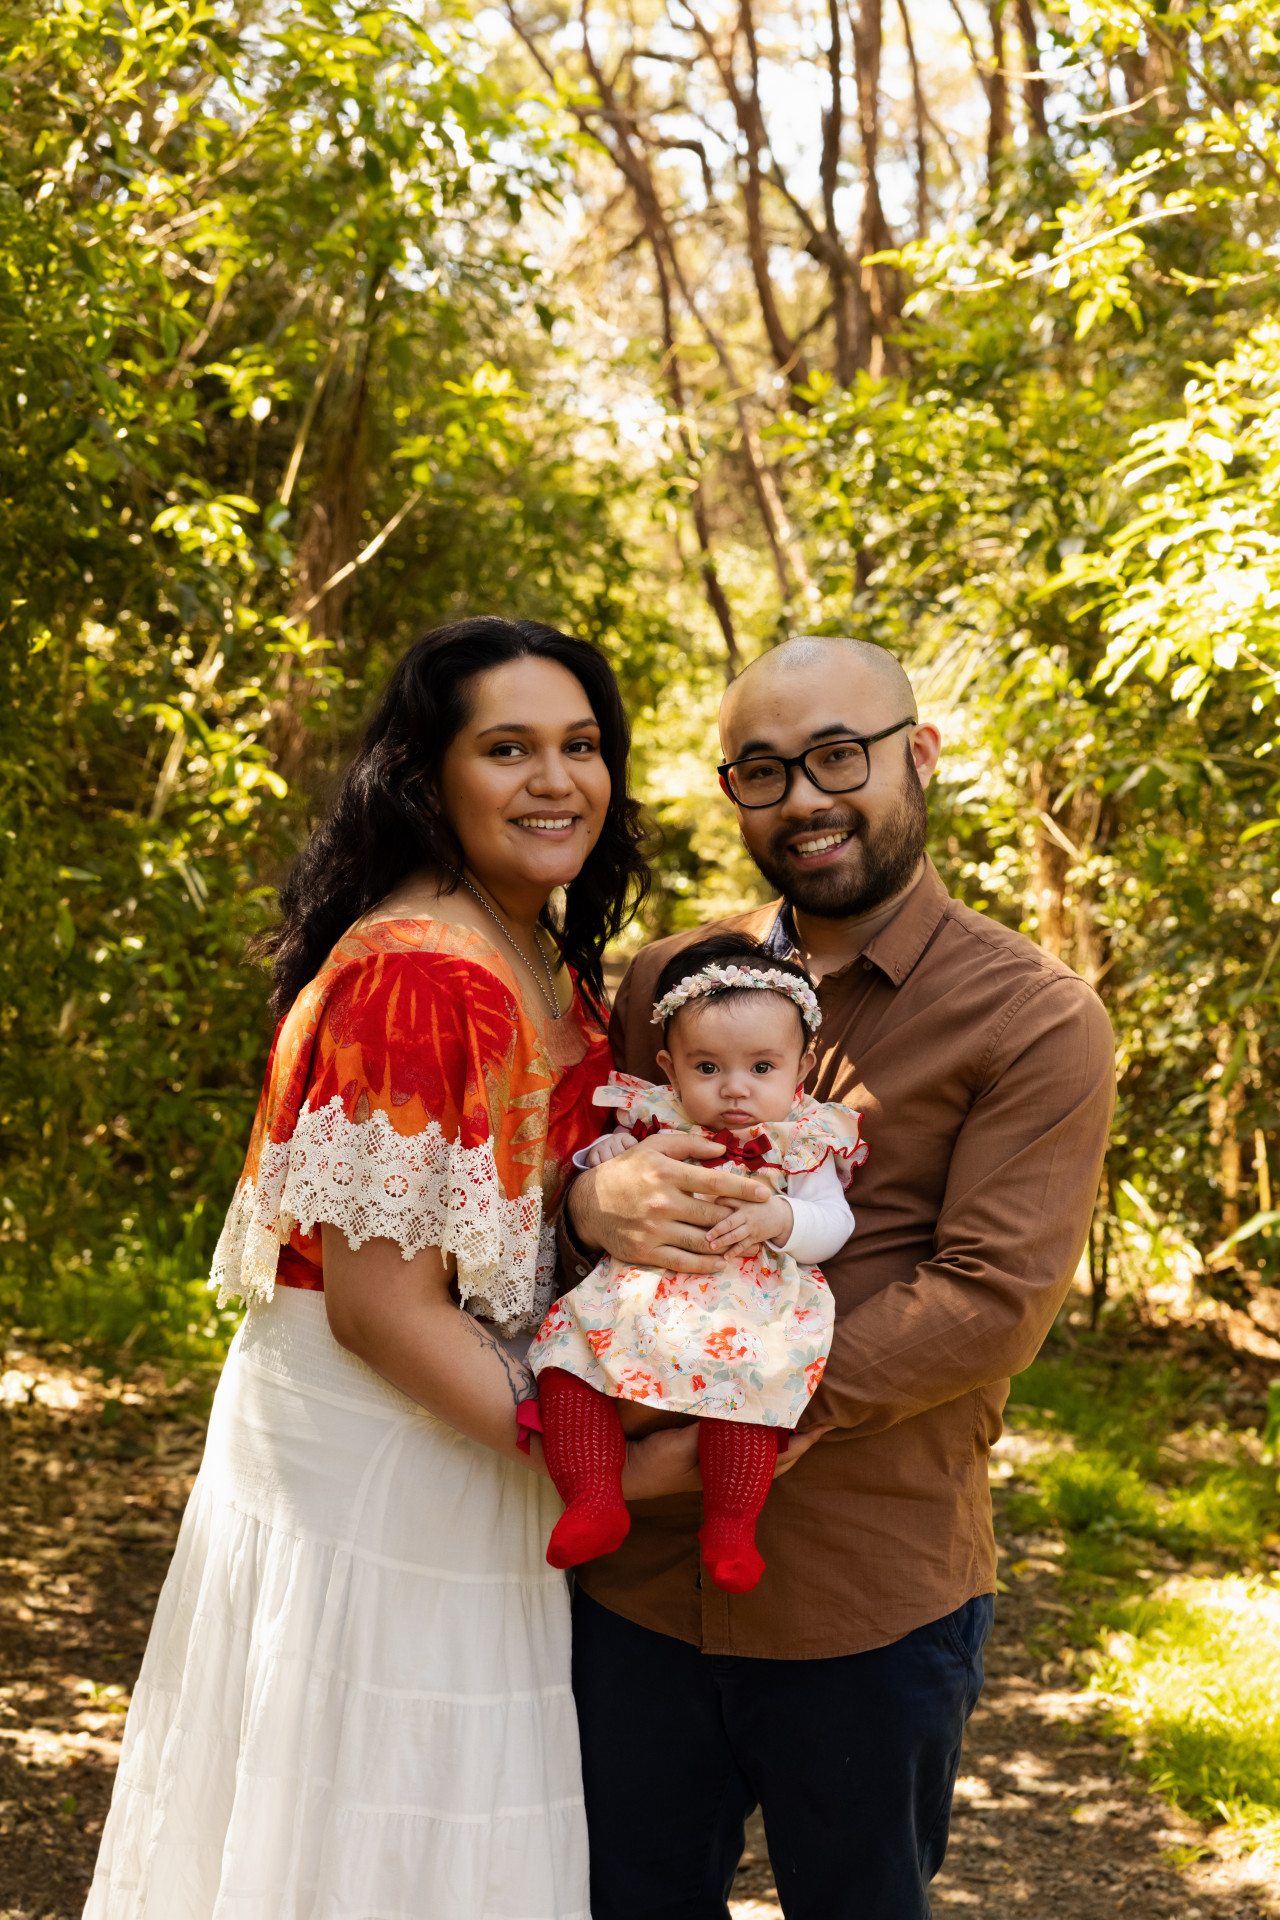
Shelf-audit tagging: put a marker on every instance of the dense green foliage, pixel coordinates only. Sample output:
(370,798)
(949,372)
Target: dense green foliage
(256,277)
(297,363)
(1065,511)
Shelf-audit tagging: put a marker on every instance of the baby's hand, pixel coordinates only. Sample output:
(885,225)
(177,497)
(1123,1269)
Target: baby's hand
(610,1147)
(746,1229)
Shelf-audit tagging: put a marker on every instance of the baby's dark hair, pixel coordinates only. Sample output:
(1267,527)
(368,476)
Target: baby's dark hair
(724,950)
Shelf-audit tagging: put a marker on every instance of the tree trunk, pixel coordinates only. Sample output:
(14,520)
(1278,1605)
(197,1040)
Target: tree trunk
(921,116)
(1046,896)
(1099,1250)
(837,264)
(326,543)
(1089,829)
(1261,1166)
(875,302)
(997,94)
(786,354)
(717,599)
(1224,1136)
(1033,90)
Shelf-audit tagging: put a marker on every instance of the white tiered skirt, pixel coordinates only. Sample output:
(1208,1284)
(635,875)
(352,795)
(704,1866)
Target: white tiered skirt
(355,1700)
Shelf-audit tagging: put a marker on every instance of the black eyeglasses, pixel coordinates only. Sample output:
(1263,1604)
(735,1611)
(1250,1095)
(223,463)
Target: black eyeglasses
(837,766)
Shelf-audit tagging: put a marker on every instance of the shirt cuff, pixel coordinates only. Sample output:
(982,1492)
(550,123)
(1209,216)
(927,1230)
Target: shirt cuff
(575,1259)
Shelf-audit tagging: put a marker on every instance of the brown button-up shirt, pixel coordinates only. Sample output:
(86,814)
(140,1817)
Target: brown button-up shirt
(984,1070)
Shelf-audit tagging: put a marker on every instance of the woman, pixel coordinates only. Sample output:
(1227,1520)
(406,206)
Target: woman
(355,1700)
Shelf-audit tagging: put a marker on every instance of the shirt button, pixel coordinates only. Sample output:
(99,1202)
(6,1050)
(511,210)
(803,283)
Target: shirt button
(867,965)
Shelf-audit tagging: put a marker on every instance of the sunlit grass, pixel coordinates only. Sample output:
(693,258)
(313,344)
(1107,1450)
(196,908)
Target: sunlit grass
(1193,1677)
(1148,1468)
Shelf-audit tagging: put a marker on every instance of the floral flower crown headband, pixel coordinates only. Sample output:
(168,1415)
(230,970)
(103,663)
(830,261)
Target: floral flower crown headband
(715,979)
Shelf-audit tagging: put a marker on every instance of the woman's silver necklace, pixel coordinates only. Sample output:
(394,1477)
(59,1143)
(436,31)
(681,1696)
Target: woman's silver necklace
(548,992)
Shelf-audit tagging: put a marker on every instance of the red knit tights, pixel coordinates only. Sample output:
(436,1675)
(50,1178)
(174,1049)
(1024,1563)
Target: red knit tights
(737,1463)
(584,1448)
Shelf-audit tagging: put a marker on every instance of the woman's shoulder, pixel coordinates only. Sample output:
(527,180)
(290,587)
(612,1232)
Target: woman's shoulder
(387,997)
(405,973)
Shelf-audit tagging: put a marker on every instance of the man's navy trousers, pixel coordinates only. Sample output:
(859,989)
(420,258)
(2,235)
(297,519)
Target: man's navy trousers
(852,1761)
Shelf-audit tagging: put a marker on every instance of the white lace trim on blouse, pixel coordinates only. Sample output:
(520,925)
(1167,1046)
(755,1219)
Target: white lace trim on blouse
(420,1191)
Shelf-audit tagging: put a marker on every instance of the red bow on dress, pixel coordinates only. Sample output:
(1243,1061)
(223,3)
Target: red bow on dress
(748,1154)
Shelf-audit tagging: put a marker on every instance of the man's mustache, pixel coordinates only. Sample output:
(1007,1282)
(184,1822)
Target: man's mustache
(780,842)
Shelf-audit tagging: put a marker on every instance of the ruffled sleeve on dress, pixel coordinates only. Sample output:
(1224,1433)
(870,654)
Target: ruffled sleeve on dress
(423,1121)
(640,1103)
(823,1131)
(622,1090)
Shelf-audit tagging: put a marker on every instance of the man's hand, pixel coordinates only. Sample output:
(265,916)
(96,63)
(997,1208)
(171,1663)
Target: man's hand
(747,1228)
(652,1208)
(663,1463)
(666,1462)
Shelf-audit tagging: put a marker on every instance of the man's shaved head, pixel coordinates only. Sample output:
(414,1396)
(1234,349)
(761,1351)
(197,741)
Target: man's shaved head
(834,851)
(860,659)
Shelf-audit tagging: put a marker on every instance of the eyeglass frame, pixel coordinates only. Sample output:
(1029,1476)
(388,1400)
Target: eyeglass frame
(788,765)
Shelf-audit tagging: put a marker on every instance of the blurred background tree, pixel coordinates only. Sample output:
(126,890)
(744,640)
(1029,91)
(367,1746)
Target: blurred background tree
(689,327)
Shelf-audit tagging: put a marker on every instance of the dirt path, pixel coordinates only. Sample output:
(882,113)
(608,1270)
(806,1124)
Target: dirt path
(93,1479)
(1046,1822)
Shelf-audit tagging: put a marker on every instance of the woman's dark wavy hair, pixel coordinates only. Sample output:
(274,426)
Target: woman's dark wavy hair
(724,950)
(386,820)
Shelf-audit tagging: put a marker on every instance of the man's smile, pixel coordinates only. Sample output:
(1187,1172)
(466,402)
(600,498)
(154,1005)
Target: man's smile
(813,851)
(820,844)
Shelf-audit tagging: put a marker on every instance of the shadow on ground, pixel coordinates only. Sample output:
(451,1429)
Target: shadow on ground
(1047,1822)
(94,1475)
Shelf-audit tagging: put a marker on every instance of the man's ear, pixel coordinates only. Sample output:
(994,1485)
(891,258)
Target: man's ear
(926,750)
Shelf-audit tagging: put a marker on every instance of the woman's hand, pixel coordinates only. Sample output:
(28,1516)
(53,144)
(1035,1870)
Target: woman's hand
(652,1208)
(798,1444)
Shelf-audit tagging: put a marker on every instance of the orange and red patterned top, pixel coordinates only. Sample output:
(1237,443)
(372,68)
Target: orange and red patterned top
(409,1096)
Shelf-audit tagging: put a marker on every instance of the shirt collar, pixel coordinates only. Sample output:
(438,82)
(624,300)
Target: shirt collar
(896,948)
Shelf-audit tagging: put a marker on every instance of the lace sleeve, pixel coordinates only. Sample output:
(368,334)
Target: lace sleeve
(423,1122)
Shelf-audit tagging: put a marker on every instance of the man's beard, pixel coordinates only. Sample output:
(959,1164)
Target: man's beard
(891,854)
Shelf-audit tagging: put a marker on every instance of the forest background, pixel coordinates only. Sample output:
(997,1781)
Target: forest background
(687,325)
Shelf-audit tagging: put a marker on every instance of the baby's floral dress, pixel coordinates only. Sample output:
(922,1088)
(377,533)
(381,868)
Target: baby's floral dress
(748,1342)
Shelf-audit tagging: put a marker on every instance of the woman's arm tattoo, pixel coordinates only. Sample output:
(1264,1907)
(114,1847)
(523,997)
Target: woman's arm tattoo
(520,1378)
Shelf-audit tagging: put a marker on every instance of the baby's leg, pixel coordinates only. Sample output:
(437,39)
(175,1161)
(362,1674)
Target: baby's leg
(737,1463)
(585,1449)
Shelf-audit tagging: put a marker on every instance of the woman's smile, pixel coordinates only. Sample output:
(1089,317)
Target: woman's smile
(551,826)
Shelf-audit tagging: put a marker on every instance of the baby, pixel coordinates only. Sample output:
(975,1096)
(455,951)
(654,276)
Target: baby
(743,1348)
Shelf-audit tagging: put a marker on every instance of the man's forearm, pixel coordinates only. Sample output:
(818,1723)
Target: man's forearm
(922,1343)
(576,1256)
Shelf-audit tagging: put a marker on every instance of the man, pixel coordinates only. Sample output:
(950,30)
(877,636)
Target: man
(835,1694)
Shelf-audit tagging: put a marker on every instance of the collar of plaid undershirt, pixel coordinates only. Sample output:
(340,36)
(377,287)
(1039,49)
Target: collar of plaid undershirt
(782,941)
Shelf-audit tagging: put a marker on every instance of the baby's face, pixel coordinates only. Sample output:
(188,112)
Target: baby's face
(738,1062)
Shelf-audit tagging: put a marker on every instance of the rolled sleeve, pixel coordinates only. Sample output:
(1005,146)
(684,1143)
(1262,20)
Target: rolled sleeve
(1012,1226)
